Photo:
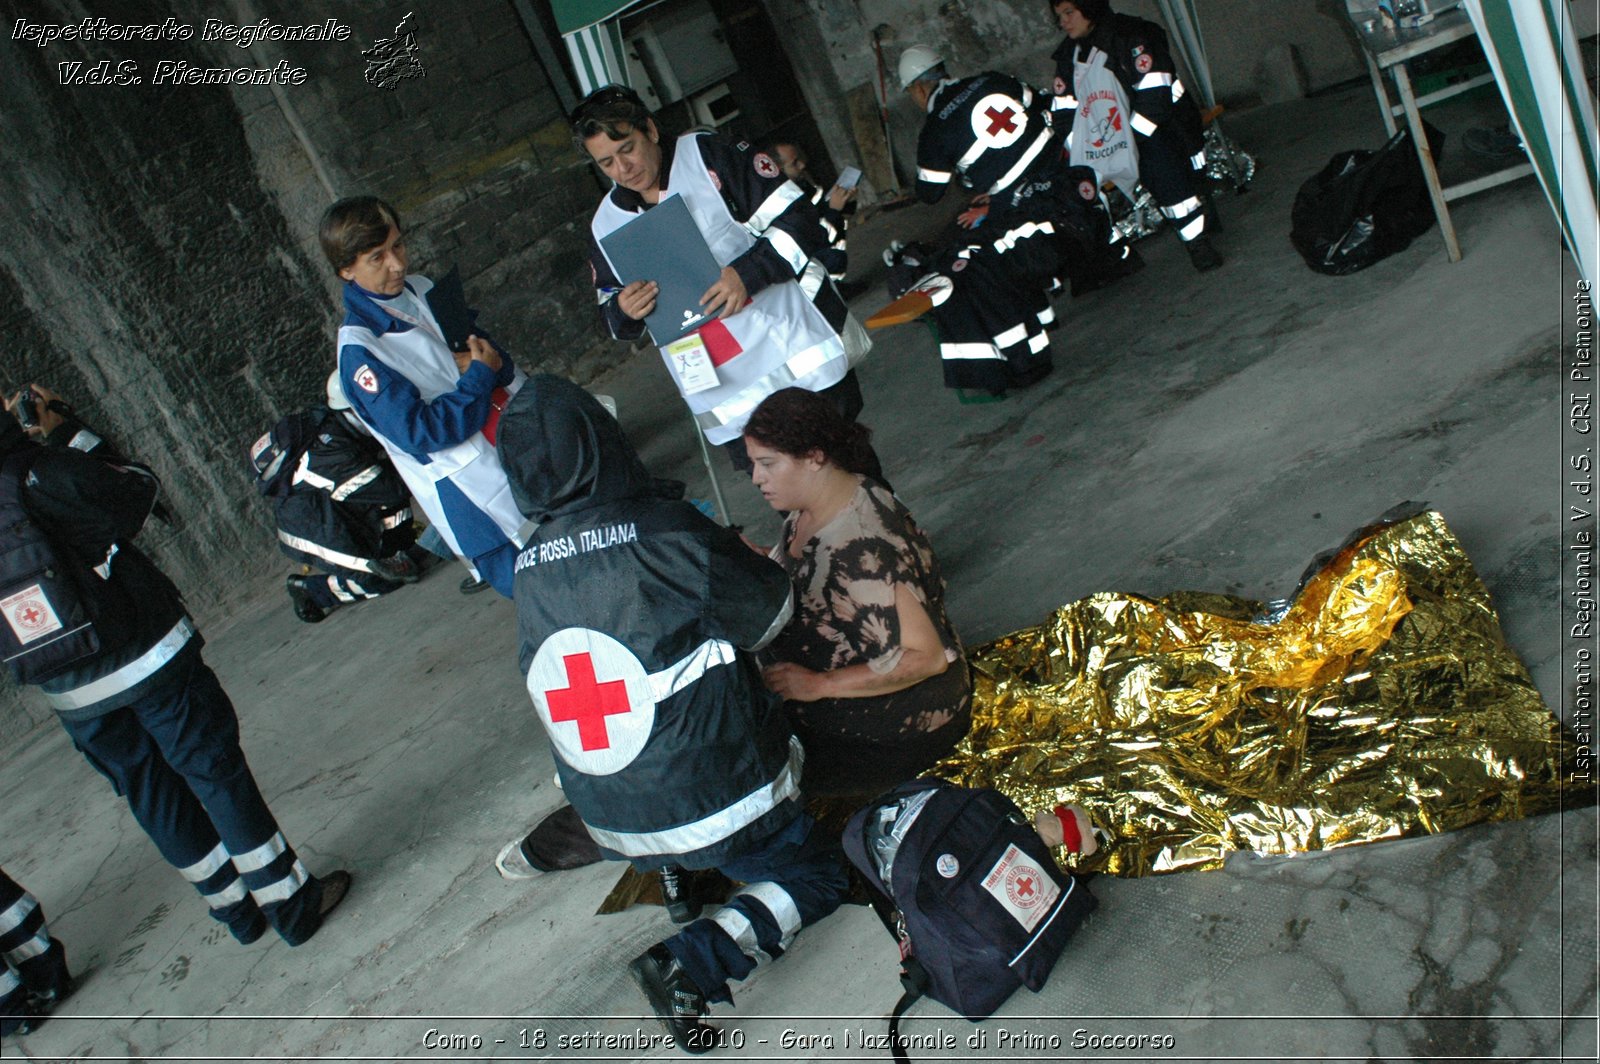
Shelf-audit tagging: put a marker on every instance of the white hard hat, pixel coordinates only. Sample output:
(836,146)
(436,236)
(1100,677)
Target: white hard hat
(916,61)
(336,399)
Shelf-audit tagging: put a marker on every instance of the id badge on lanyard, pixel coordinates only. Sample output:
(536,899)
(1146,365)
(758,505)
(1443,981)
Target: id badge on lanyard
(692,365)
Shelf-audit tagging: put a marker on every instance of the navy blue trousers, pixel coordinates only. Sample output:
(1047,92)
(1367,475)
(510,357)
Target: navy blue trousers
(792,881)
(174,754)
(332,590)
(30,960)
(1175,180)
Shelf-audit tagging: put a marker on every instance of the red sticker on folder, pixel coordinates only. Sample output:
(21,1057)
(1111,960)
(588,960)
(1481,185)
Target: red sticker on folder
(720,344)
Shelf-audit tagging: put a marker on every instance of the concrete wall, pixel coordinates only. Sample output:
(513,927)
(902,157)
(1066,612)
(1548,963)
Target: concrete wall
(1258,49)
(160,266)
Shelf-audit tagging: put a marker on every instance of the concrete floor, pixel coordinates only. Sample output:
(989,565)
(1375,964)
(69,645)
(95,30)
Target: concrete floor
(1210,433)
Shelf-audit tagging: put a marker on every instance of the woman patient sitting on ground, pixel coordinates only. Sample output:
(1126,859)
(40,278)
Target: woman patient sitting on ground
(870,669)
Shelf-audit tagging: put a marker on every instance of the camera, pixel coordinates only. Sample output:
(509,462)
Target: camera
(27,408)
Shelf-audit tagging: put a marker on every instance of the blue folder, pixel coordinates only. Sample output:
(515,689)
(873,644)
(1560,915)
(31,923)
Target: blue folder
(664,245)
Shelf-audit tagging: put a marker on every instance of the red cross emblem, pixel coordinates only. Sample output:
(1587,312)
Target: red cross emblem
(587,703)
(595,699)
(29,614)
(1000,120)
(1022,887)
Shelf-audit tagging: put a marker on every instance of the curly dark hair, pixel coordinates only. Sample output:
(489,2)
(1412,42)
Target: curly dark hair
(797,422)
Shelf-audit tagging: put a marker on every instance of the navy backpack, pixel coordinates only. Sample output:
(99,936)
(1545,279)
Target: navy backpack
(49,618)
(978,903)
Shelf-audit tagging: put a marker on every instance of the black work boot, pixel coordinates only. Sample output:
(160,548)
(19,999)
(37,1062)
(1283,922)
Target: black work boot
(398,569)
(52,985)
(678,895)
(677,1002)
(47,984)
(1118,261)
(1202,254)
(305,607)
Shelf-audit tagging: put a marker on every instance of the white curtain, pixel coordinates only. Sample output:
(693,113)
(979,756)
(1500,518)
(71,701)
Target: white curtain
(1184,23)
(1532,48)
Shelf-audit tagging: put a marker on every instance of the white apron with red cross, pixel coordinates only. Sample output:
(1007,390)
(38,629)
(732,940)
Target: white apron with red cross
(1102,129)
(423,358)
(779,340)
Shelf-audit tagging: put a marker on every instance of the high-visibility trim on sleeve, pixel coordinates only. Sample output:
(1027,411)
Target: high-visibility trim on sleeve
(785,246)
(357,482)
(774,205)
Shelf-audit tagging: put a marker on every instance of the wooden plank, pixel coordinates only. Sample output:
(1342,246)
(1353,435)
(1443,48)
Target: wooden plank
(908,307)
(867,126)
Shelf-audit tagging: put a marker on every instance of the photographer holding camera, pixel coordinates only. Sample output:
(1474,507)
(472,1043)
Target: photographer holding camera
(103,634)
(43,414)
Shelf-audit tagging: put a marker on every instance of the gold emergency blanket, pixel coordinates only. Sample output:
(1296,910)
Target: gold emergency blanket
(1383,703)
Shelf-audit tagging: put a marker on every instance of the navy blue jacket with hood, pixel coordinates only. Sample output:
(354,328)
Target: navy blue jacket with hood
(635,615)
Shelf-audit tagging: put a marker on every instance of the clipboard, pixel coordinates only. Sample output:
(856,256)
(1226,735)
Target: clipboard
(665,246)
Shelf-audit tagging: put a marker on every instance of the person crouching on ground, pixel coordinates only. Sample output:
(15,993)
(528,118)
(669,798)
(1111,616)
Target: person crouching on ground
(339,505)
(636,616)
